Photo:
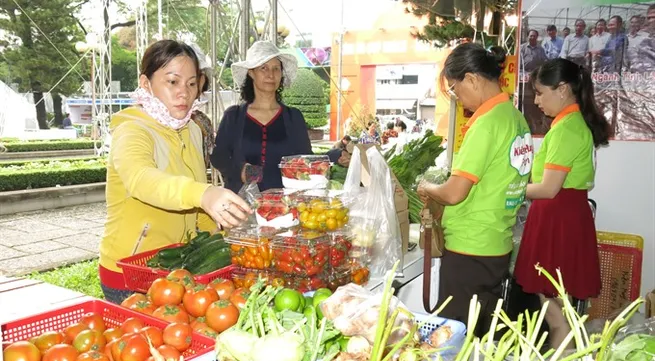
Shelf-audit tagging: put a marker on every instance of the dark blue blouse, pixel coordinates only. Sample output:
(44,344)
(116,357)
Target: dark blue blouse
(265,145)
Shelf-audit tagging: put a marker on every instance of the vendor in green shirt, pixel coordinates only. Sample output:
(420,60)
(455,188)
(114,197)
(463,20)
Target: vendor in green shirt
(560,232)
(489,178)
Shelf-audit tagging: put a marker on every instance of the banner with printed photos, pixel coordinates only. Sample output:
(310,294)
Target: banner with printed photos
(614,39)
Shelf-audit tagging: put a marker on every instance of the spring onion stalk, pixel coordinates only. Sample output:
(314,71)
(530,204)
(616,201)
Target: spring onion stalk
(474,313)
(378,347)
(317,345)
(609,333)
(494,324)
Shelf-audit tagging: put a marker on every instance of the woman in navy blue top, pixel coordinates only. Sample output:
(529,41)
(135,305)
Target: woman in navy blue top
(253,137)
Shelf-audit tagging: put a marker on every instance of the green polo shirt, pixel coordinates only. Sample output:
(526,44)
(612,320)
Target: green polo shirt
(496,155)
(568,146)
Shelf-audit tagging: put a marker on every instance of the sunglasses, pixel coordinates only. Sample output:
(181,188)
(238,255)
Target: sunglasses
(451,91)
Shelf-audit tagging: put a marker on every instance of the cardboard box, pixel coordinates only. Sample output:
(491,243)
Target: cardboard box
(401,201)
(650,304)
(403,220)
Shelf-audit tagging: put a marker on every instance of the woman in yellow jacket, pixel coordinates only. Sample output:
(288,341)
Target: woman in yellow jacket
(156,177)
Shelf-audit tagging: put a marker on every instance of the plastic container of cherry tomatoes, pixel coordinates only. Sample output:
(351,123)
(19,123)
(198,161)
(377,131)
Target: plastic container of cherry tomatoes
(250,246)
(305,284)
(339,278)
(301,252)
(305,171)
(322,210)
(246,278)
(340,250)
(276,208)
(360,273)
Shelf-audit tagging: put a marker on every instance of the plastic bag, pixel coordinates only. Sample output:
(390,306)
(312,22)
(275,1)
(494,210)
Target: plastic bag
(374,213)
(517,233)
(249,193)
(634,343)
(355,312)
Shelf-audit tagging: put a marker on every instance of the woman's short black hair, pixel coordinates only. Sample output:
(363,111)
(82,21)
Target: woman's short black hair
(400,124)
(472,58)
(159,54)
(557,72)
(248,89)
(390,125)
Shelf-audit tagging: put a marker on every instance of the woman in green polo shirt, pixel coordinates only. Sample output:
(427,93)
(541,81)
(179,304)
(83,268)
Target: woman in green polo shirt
(560,231)
(489,177)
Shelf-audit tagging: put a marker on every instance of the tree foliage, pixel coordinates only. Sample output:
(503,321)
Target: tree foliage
(38,49)
(123,65)
(308,95)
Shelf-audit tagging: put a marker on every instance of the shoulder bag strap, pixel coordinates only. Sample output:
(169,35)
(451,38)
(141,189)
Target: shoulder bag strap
(426,232)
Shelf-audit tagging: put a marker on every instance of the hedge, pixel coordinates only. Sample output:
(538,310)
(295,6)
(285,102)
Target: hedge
(307,94)
(22,163)
(39,146)
(33,178)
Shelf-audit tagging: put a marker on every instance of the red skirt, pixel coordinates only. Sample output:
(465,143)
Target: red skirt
(560,233)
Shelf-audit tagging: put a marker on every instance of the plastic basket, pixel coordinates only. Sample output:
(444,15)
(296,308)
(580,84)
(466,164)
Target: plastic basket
(620,239)
(138,276)
(620,269)
(113,315)
(456,341)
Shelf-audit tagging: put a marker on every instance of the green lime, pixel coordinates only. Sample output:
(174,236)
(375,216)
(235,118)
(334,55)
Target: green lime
(309,312)
(287,299)
(302,305)
(323,291)
(318,298)
(309,300)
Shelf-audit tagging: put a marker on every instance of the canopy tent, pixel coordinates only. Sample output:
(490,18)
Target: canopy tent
(17,113)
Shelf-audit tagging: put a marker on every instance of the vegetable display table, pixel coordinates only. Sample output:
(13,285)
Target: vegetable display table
(22,297)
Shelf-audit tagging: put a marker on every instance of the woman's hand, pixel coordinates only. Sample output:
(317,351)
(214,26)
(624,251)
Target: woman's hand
(225,207)
(423,191)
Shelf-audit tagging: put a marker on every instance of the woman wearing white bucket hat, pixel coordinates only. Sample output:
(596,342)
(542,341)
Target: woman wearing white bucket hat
(254,136)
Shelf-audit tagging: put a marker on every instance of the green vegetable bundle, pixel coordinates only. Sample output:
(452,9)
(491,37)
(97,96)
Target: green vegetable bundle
(202,254)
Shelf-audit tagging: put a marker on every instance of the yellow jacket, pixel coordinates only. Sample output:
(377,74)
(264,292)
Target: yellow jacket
(156,177)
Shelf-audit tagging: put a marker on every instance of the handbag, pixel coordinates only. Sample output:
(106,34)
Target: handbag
(432,241)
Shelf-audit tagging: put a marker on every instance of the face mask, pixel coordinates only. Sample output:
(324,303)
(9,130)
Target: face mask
(158,110)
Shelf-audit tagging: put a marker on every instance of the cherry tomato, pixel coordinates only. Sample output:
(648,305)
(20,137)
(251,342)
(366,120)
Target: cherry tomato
(197,299)
(48,339)
(94,321)
(171,313)
(133,299)
(131,325)
(178,335)
(239,297)
(136,349)
(153,334)
(223,287)
(222,315)
(112,334)
(169,353)
(166,292)
(60,353)
(92,356)
(89,340)
(21,351)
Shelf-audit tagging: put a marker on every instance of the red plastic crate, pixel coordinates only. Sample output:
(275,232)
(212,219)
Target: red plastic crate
(113,315)
(138,276)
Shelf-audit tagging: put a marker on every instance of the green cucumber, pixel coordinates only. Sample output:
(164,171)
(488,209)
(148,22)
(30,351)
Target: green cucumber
(198,255)
(214,261)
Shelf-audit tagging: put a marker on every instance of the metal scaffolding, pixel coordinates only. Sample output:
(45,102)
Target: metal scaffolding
(141,33)
(101,82)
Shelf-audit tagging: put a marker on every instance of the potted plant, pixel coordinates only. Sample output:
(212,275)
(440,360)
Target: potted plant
(307,93)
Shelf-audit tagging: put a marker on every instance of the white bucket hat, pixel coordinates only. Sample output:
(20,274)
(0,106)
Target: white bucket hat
(259,53)
(203,60)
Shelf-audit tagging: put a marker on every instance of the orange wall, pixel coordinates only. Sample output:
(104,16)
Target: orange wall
(363,50)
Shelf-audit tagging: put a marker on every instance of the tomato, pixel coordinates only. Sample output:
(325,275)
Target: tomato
(94,321)
(131,325)
(136,349)
(48,339)
(197,299)
(178,335)
(153,334)
(115,348)
(89,340)
(60,353)
(239,297)
(133,299)
(171,313)
(169,352)
(205,330)
(21,351)
(182,276)
(223,287)
(144,307)
(166,292)
(222,315)
(112,334)
(93,356)
(71,331)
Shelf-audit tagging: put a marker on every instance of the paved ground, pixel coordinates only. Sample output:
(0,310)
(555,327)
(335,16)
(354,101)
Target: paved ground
(42,240)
